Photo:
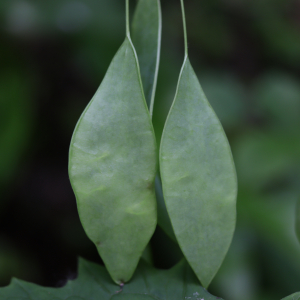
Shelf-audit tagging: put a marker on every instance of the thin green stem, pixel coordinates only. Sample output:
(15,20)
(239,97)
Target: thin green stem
(157,59)
(184,29)
(127,19)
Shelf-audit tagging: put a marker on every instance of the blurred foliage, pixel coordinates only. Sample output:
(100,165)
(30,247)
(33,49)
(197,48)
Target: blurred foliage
(16,122)
(53,55)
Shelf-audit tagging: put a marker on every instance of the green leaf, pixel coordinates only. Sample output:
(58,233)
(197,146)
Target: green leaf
(146,37)
(93,283)
(298,219)
(295,296)
(113,165)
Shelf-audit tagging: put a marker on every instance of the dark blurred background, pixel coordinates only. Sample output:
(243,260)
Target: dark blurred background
(53,56)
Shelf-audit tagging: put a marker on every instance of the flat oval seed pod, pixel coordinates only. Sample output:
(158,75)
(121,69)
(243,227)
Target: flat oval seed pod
(112,166)
(199,180)
(146,37)
(198,177)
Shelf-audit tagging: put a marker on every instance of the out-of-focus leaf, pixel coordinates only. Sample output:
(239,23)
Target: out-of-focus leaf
(227,97)
(279,34)
(210,29)
(277,96)
(27,18)
(263,157)
(273,218)
(93,282)
(239,275)
(15,121)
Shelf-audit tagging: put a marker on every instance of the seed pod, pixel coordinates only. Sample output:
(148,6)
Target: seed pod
(198,176)
(112,166)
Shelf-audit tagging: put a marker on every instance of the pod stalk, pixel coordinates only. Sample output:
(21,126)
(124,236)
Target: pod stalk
(184,29)
(127,19)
